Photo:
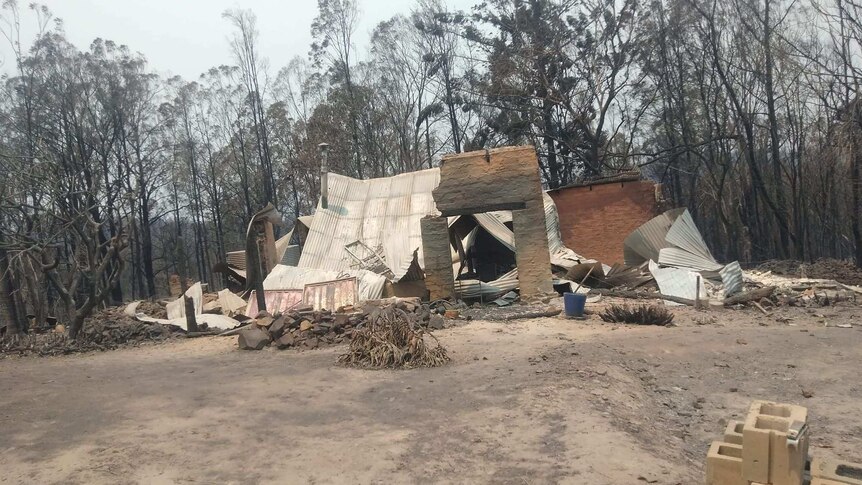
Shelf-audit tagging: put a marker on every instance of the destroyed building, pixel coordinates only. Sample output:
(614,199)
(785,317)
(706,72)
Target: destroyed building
(475,228)
(370,232)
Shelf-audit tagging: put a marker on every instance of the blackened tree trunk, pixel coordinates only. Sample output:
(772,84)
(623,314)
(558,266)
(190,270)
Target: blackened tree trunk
(8,311)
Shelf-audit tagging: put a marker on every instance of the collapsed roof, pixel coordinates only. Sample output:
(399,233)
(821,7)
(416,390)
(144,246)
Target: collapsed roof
(382,214)
(374,225)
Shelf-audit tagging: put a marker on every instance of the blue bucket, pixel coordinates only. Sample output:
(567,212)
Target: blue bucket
(574,304)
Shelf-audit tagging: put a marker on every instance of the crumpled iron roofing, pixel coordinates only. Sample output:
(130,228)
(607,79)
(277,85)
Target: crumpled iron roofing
(382,212)
(292,278)
(673,240)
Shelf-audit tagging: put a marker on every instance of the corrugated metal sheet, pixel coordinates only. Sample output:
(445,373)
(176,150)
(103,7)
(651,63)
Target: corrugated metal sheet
(293,278)
(277,301)
(305,221)
(177,308)
(731,277)
(502,216)
(291,255)
(330,295)
(489,290)
(379,212)
(495,228)
(674,241)
(678,282)
(229,302)
(281,245)
(645,242)
(685,247)
(685,235)
(211,320)
(681,258)
(236,259)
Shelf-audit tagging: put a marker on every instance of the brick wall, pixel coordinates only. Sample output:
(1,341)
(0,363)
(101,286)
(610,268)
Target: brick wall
(596,219)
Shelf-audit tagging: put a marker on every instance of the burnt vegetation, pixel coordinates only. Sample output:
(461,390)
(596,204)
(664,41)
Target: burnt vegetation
(638,315)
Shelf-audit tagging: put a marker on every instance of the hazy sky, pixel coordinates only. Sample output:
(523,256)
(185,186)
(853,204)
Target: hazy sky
(187,37)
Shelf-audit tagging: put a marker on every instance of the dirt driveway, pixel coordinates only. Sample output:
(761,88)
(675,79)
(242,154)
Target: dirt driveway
(532,401)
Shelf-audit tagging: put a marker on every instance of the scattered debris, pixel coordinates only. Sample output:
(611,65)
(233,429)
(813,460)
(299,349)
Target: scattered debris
(393,339)
(106,330)
(640,315)
(749,296)
(834,269)
(506,299)
(305,327)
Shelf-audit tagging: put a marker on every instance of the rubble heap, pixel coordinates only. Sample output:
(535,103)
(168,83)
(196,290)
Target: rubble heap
(306,328)
(833,269)
(393,338)
(105,330)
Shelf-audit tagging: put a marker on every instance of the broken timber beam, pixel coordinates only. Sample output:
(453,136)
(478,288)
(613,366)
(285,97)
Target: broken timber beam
(749,296)
(641,295)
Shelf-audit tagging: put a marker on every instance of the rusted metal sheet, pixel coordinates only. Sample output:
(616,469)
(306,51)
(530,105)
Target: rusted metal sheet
(277,301)
(330,295)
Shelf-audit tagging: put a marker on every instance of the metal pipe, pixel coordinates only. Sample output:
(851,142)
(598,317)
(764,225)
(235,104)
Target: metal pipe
(324,175)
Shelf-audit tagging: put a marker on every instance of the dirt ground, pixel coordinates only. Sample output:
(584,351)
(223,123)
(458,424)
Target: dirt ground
(530,401)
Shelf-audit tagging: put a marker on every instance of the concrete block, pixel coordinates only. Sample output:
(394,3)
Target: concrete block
(724,464)
(843,472)
(776,443)
(733,433)
(823,481)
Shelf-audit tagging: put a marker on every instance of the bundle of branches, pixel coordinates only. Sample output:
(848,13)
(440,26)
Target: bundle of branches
(641,314)
(393,339)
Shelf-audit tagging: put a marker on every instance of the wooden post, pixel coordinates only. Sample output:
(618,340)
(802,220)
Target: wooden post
(697,294)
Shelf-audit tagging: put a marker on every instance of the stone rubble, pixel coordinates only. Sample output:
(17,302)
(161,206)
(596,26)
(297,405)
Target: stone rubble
(305,328)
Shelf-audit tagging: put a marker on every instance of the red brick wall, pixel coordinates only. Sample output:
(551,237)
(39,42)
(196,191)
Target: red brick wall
(595,220)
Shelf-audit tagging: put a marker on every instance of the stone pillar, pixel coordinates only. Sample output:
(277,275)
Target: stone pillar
(531,250)
(437,254)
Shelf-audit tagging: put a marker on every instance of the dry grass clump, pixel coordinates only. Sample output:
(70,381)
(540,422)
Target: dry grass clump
(640,315)
(392,339)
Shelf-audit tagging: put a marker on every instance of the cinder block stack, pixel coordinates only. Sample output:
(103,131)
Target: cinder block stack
(771,448)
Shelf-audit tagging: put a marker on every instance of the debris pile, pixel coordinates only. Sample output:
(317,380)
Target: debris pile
(393,338)
(115,330)
(303,328)
(306,328)
(640,315)
(106,330)
(798,292)
(833,269)
(153,309)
